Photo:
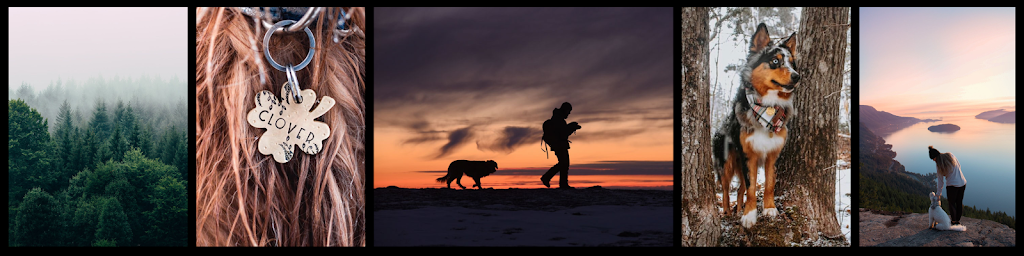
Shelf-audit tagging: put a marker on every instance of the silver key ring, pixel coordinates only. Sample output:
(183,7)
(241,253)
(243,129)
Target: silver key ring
(289,70)
(266,46)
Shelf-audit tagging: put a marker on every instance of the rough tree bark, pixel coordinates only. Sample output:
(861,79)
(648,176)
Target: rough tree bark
(806,167)
(700,218)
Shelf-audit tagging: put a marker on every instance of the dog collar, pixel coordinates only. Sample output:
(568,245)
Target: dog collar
(303,15)
(275,14)
(770,117)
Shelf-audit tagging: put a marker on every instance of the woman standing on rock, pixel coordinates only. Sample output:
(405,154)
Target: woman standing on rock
(948,169)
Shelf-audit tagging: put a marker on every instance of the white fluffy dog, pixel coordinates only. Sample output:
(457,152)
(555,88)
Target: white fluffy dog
(938,219)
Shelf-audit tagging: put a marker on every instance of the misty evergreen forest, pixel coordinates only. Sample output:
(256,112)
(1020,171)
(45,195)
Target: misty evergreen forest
(98,163)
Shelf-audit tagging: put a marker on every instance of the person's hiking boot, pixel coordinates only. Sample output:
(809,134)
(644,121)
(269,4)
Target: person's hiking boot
(547,182)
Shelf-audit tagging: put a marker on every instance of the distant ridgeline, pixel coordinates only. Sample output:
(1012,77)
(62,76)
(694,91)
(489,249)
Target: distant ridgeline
(886,185)
(999,116)
(884,123)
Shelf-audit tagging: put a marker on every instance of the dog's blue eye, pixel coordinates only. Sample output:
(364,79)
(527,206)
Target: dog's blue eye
(775,61)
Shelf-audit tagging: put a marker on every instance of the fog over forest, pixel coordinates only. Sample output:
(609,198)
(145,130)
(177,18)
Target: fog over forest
(160,102)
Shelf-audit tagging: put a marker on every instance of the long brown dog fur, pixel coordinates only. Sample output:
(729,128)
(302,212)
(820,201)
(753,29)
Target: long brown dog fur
(244,198)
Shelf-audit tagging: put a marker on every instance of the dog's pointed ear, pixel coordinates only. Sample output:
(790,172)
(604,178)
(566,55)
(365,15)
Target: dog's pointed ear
(760,39)
(790,43)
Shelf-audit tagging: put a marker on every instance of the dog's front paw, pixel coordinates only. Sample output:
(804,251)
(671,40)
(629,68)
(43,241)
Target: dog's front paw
(749,219)
(771,212)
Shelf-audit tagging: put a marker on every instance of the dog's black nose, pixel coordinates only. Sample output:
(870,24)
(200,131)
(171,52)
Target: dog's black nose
(795,77)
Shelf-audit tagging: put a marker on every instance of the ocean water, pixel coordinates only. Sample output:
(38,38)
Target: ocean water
(985,150)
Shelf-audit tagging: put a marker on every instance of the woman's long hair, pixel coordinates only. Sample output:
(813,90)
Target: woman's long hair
(944,163)
(244,198)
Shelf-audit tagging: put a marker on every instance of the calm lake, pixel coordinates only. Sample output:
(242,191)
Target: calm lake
(985,150)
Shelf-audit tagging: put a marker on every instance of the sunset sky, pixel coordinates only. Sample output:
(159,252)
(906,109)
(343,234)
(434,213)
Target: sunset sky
(934,62)
(477,83)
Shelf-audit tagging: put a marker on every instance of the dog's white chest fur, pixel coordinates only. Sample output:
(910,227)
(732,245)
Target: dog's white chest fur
(763,141)
(772,99)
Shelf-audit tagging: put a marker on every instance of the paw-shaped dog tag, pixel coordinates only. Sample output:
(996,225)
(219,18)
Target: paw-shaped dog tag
(290,123)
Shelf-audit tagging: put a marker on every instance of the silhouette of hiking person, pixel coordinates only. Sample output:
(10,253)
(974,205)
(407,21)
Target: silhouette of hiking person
(556,135)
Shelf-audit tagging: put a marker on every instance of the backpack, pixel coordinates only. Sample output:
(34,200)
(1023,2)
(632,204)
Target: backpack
(554,136)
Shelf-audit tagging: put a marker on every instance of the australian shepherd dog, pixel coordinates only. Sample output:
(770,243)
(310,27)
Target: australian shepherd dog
(755,132)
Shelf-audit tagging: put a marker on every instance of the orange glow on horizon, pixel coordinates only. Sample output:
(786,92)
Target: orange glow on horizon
(406,165)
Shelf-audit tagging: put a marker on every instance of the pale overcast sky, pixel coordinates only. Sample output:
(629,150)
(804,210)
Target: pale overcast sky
(82,43)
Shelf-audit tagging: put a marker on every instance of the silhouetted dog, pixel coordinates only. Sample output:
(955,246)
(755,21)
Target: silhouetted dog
(474,169)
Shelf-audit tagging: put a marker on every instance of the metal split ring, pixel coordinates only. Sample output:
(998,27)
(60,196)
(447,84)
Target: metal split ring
(290,73)
(289,70)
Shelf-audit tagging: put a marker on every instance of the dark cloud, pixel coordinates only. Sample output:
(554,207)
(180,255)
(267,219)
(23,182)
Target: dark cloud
(455,138)
(493,75)
(511,138)
(423,138)
(604,59)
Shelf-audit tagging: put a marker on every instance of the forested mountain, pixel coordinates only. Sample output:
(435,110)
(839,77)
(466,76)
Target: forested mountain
(884,123)
(107,173)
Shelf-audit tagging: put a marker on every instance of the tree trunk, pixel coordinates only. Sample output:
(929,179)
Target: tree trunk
(700,218)
(807,165)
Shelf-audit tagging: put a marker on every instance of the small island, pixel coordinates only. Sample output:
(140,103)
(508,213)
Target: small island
(944,128)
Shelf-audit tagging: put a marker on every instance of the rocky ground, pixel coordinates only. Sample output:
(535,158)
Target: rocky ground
(896,229)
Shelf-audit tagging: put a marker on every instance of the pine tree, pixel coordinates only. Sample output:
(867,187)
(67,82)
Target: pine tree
(118,144)
(63,135)
(182,155)
(144,140)
(87,149)
(103,151)
(100,123)
(35,219)
(169,145)
(119,116)
(168,220)
(84,222)
(131,128)
(76,157)
(113,223)
(29,151)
